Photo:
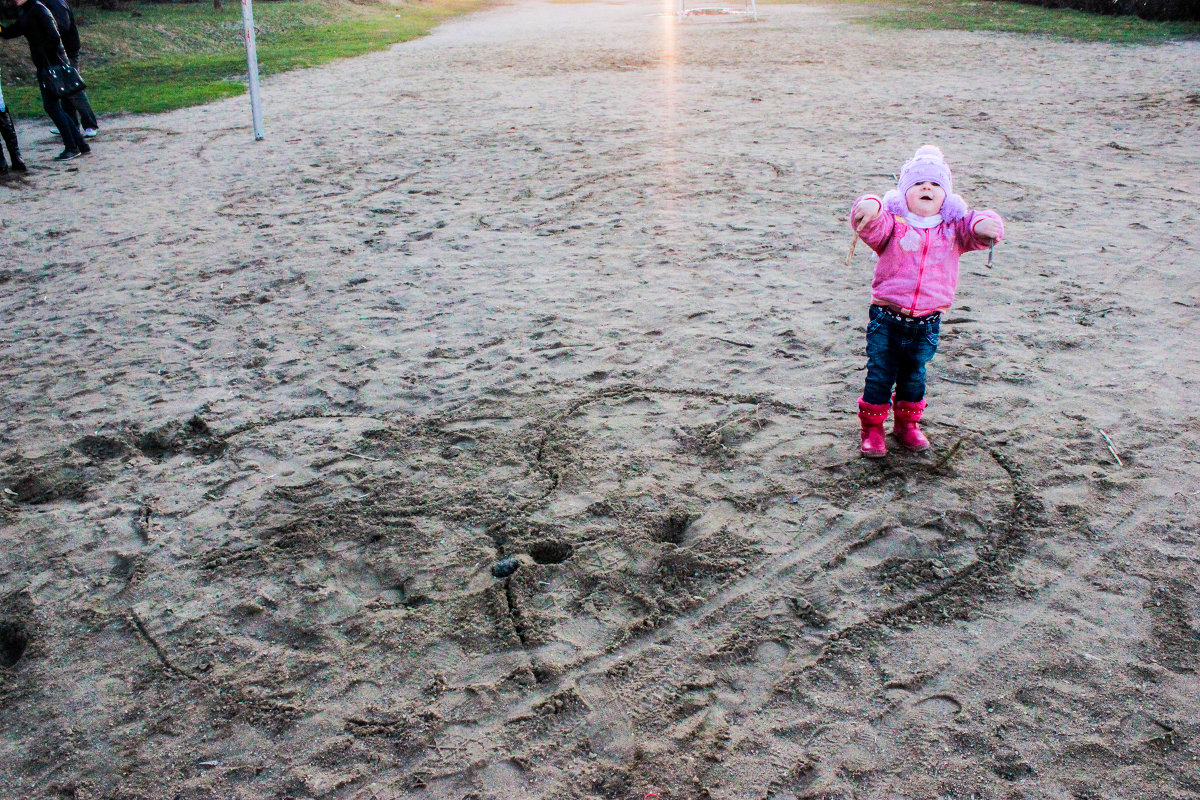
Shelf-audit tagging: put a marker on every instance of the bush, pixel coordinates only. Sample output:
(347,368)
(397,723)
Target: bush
(1146,9)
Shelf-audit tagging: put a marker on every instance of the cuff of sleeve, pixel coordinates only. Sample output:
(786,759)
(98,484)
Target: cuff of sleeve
(993,217)
(862,200)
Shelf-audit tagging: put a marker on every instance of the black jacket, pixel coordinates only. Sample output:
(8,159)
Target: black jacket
(37,24)
(67,28)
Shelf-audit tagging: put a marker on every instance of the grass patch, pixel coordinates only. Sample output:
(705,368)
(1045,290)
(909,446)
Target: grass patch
(146,57)
(986,15)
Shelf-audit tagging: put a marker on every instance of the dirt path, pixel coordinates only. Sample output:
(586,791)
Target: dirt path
(565,284)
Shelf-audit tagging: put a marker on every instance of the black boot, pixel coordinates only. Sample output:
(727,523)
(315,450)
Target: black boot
(8,131)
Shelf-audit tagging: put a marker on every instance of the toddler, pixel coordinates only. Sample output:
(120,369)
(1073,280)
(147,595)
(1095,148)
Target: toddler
(919,229)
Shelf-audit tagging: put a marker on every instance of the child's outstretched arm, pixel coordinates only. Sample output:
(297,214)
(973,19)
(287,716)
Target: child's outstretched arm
(870,222)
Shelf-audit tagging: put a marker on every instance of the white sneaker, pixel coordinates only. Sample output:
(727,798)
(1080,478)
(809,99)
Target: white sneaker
(90,133)
(55,131)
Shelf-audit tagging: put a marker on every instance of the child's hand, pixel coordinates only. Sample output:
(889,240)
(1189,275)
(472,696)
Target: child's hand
(866,211)
(987,228)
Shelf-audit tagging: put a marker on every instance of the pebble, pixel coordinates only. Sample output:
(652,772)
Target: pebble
(505,567)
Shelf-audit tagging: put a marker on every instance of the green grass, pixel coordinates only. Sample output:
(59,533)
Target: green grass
(986,15)
(151,57)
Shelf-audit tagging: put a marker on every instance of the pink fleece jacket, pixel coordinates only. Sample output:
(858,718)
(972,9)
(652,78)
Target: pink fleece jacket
(917,271)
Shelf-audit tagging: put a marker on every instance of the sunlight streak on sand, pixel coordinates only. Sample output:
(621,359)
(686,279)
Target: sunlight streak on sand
(670,84)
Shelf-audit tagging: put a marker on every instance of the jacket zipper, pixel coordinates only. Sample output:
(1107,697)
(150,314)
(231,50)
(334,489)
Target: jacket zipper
(921,272)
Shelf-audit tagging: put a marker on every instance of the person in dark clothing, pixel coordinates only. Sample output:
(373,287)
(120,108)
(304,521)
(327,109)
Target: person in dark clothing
(9,133)
(77,105)
(37,24)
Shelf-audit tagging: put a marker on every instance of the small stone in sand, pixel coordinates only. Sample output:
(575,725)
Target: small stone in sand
(505,567)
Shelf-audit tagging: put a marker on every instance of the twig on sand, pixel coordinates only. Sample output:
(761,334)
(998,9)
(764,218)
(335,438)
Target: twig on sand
(441,750)
(716,431)
(356,455)
(1111,449)
(944,460)
(158,649)
(732,341)
(114,241)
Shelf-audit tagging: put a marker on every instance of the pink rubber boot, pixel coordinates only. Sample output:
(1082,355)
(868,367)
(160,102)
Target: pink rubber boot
(906,430)
(872,416)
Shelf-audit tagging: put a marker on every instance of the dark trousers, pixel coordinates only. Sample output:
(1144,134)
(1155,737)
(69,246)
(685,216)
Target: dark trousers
(897,350)
(77,105)
(72,136)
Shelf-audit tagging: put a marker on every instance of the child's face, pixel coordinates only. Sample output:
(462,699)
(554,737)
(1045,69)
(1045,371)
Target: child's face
(925,199)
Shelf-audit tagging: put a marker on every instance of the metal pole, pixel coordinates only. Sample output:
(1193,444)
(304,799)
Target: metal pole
(252,64)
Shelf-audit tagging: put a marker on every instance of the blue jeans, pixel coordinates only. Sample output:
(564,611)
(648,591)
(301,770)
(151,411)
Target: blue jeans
(897,351)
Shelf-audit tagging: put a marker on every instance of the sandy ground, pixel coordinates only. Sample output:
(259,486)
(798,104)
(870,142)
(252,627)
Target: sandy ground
(564,283)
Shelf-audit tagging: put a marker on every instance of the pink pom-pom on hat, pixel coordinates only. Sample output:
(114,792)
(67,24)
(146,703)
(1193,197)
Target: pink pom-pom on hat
(927,164)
